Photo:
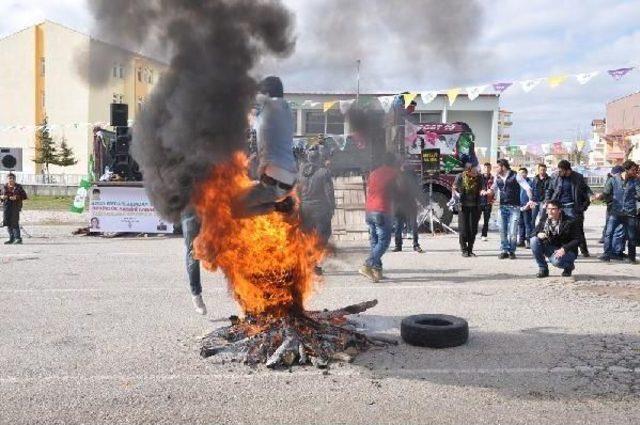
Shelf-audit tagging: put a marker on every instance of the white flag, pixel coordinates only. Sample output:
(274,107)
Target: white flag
(428,96)
(528,85)
(345,105)
(546,148)
(503,149)
(568,146)
(523,149)
(474,92)
(585,77)
(386,102)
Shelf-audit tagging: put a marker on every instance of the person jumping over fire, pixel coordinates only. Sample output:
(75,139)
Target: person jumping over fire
(277,166)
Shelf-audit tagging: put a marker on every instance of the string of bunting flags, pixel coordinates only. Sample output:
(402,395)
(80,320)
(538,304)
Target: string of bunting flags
(386,102)
(553,148)
(473,92)
(50,127)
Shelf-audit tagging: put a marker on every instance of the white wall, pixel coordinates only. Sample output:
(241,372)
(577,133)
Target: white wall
(17,93)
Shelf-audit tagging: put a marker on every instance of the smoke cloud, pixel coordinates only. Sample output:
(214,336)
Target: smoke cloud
(197,114)
(425,41)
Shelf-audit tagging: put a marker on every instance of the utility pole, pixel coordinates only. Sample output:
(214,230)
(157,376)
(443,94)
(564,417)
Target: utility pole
(358,81)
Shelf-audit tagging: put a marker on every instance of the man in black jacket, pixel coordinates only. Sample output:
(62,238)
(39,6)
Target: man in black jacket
(571,190)
(557,238)
(317,202)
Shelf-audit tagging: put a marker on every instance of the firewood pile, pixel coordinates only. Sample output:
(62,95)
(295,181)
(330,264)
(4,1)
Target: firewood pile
(308,337)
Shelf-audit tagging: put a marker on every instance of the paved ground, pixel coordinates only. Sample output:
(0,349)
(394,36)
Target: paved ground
(101,331)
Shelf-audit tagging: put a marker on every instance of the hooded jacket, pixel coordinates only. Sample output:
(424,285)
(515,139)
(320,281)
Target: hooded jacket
(315,188)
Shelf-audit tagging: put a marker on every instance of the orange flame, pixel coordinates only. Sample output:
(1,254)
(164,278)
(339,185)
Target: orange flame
(267,260)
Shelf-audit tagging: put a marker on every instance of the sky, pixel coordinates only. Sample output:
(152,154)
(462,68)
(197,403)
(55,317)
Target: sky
(419,45)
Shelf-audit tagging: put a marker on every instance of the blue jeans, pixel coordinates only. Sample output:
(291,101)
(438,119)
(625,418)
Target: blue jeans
(380,228)
(190,230)
(525,226)
(509,218)
(630,227)
(619,240)
(542,250)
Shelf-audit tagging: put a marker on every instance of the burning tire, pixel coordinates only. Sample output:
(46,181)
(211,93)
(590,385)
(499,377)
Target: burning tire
(434,330)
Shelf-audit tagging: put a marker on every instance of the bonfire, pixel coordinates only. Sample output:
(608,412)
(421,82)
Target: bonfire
(268,262)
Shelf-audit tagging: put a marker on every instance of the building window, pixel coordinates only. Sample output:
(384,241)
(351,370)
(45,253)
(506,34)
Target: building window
(150,80)
(140,74)
(427,117)
(115,71)
(121,98)
(316,122)
(294,117)
(42,66)
(140,104)
(115,98)
(121,71)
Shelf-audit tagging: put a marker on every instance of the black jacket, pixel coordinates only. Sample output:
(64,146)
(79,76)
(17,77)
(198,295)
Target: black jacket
(580,188)
(568,236)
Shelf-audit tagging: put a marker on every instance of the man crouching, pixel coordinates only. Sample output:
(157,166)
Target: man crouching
(556,238)
(277,167)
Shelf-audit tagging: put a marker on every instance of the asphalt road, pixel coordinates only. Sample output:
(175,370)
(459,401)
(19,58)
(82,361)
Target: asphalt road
(101,331)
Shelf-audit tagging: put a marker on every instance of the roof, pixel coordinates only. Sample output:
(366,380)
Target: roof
(85,34)
(637,93)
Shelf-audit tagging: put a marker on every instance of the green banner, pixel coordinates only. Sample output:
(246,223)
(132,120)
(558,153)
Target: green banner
(80,199)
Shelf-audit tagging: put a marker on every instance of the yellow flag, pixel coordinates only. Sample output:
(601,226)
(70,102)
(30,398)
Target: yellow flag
(556,80)
(580,144)
(329,105)
(452,94)
(408,98)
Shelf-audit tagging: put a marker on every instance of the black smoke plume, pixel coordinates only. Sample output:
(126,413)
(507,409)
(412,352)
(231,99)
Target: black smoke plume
(197,114)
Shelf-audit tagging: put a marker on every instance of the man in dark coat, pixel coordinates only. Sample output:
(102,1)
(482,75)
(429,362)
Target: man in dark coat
(317,202)
(11,196)
(557,238)
(406,207)
(574,194)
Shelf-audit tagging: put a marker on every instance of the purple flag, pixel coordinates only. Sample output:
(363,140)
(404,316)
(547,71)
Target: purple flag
(500,87)
(617,74)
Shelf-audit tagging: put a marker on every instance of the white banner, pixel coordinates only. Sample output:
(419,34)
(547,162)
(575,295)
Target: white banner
(124,209)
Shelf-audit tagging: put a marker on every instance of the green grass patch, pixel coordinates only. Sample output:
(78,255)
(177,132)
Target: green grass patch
(56,203)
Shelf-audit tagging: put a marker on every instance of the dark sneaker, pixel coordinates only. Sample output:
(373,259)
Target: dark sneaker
(601,241)
(521,244)
(503,255)
(418,249)
(543,273)
(9,242)
(286,205)
(464,253)
(18,242)
(512,255)
(567,272)
(397,249)
(586,254)
(604,258)
(471,254)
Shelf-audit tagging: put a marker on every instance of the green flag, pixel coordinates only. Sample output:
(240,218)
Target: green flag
(464,143)
(81,196)
(449,163)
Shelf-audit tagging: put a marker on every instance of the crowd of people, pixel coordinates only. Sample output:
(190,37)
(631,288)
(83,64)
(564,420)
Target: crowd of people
(544,213)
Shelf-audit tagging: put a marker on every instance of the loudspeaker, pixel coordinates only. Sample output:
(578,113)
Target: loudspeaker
(119,114)
(10,159)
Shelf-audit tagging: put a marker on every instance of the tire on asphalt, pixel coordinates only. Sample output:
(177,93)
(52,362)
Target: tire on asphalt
(434,330)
